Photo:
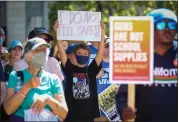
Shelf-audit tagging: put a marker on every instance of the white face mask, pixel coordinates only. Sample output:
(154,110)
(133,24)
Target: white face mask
(39,59)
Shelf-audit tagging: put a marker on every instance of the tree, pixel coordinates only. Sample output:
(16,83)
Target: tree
(110,8)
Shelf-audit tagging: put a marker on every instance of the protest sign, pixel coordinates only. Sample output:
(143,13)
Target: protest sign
(131,50)
(79,25)
(44,115)
(107,102)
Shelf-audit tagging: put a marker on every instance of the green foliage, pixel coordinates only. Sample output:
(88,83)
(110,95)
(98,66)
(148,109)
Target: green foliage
(110,8)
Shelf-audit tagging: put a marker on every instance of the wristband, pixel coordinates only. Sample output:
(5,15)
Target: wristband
(22,95)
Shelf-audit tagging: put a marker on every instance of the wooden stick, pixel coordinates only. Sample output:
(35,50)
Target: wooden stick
(131,97)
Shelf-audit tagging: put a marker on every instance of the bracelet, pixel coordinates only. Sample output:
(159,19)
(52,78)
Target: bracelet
(22,95)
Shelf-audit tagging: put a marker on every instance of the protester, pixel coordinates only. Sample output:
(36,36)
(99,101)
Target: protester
(103,76)
(93,50)
(81,89)
(51,65)
(15,51)
(38,89)
(3,83)
(4,55)
(3,92)
(157,102)
(103,81)
(70,53)
(2,36)
(56,54)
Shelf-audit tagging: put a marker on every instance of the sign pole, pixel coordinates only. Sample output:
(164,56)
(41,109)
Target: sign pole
(131,97)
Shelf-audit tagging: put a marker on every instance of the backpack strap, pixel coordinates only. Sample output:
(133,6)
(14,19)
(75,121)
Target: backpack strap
(21,75)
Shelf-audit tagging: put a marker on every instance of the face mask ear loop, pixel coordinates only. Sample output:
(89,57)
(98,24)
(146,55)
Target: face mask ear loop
(39,72)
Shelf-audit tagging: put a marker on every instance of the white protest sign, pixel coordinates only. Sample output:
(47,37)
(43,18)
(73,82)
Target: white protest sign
(44,115)
(79,25)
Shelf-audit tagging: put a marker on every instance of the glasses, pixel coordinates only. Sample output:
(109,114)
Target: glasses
(171,25)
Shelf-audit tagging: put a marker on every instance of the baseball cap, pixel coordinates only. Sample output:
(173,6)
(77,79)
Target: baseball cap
(15,43)
(163,13)
(34,43)
(2,32)
(70,48)
(38,31)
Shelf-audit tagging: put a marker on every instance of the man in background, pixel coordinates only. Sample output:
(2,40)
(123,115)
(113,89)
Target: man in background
(4,55)
(157,102)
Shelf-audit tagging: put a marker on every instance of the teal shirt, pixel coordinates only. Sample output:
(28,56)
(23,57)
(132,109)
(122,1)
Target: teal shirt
(50,84)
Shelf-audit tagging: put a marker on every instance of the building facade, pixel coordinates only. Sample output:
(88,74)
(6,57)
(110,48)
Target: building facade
(19,18)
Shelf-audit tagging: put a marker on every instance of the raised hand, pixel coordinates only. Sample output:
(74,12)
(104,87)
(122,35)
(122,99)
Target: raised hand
(103,28)
(56,25)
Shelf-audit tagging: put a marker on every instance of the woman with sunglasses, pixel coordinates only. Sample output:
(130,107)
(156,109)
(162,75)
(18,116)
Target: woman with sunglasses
(157,102)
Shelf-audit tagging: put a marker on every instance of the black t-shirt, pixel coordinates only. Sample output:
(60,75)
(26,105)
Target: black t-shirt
(7,71)
(2,79)
(81,91)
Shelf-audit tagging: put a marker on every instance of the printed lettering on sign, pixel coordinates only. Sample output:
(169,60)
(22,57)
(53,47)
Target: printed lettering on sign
(131,50)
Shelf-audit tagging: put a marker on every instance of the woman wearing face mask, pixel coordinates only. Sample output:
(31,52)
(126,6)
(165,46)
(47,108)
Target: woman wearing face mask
(51,65)
(81,90)
(39,90)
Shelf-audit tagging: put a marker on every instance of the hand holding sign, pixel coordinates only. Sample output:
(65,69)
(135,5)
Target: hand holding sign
(128,114)
(103,29)
(56,25)
(44,115)
(40,102)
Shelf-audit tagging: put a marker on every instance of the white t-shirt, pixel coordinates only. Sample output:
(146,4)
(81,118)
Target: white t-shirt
(51,66)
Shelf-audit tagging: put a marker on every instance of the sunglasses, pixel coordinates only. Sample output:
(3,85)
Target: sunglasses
(171,25)
(47,40)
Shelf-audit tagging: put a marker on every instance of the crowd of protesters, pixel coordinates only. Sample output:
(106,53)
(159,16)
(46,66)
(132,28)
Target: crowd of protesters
(64,79)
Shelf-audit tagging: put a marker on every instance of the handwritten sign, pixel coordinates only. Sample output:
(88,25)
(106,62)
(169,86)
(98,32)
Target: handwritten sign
(44,115)
(79,25)
(131,50)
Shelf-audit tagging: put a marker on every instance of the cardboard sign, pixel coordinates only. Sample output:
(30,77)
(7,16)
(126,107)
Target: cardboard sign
(44,115)
(79,25)
(131,50)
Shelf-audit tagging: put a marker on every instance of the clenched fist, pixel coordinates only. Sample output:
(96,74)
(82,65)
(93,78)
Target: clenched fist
(33,83)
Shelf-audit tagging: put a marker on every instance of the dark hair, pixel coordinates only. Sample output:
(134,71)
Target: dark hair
(82,46)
